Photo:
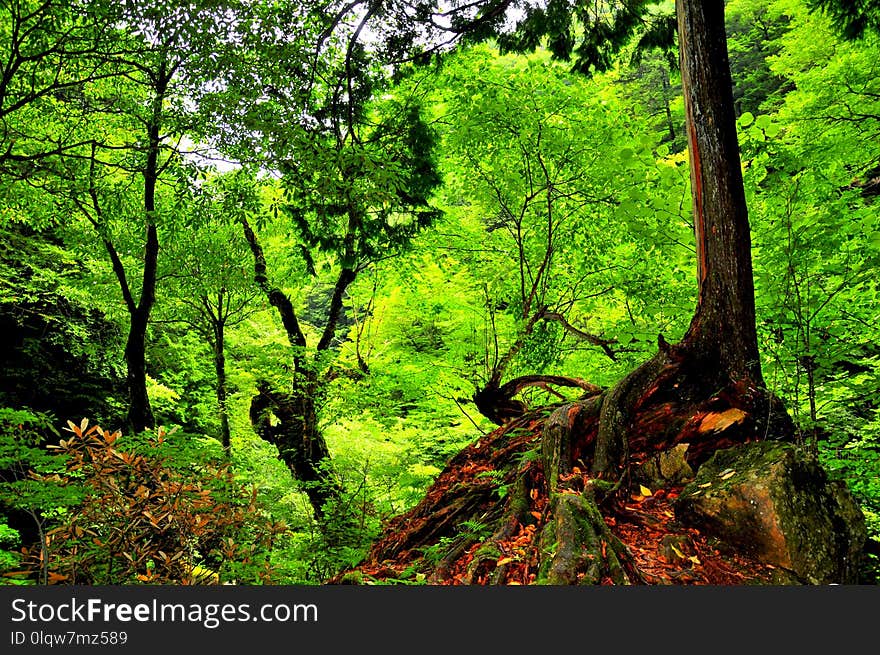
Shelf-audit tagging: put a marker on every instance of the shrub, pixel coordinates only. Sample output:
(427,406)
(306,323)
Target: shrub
(144,520)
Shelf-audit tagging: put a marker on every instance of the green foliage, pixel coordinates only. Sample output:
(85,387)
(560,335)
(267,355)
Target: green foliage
(9,558)
(465,198)
(853,19)
(809,156)
(55,331)
(589,34)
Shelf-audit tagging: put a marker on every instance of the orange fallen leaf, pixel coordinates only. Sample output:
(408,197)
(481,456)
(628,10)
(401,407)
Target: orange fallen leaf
(718,421)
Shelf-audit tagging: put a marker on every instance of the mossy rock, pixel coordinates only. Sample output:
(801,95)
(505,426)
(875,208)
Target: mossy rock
(665,468)
(773,501)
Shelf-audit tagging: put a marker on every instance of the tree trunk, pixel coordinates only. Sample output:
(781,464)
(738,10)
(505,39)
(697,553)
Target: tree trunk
(706,391)
(220,371)
(295,434)
(722,332)
(140,414)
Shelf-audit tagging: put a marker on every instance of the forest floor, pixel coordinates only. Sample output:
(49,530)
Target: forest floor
(429,545)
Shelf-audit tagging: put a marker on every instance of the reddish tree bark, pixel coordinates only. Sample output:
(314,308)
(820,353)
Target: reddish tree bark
(676,396)
(722,331)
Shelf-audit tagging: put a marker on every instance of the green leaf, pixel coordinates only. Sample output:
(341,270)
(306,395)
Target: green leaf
(746,119)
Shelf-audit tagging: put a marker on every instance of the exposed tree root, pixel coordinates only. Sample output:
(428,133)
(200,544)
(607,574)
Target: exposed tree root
(578,547)
(496,402)
(526,503)
(671,400)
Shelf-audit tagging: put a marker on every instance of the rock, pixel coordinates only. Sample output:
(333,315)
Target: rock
(665,468)
(774,501)
(676,548)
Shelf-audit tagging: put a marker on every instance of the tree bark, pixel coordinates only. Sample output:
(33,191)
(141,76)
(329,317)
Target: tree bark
(712,378)
(722,332)
(299,442)
(220,371)
(140,413)
(301,446)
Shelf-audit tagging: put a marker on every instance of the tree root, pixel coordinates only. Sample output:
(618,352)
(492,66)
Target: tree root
(616,416)
(577,547)
(496,402)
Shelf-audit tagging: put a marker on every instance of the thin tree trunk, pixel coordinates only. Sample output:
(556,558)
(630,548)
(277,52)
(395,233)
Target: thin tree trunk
(140,414)
(664,77)
(220,371)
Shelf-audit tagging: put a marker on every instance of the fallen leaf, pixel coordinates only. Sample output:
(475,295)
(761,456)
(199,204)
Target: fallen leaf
(729,475)
(645,491)
(504,560)
(718,421)
(704,485)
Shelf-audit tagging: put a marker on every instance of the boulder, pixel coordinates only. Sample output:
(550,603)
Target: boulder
(774,501)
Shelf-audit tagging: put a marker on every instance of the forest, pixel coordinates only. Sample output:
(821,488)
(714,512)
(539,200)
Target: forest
(463,292)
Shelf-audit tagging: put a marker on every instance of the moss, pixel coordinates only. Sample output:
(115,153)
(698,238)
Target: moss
(487,551)
(518,504)
(576,546)
(352,577)
(774,501)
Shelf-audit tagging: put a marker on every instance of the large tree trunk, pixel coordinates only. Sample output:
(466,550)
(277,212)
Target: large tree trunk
(722,331)
(707,390)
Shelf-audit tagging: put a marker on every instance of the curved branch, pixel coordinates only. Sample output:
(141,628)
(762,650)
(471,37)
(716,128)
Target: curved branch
(516,385)
(496,402)
(604,344)
(277,298)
